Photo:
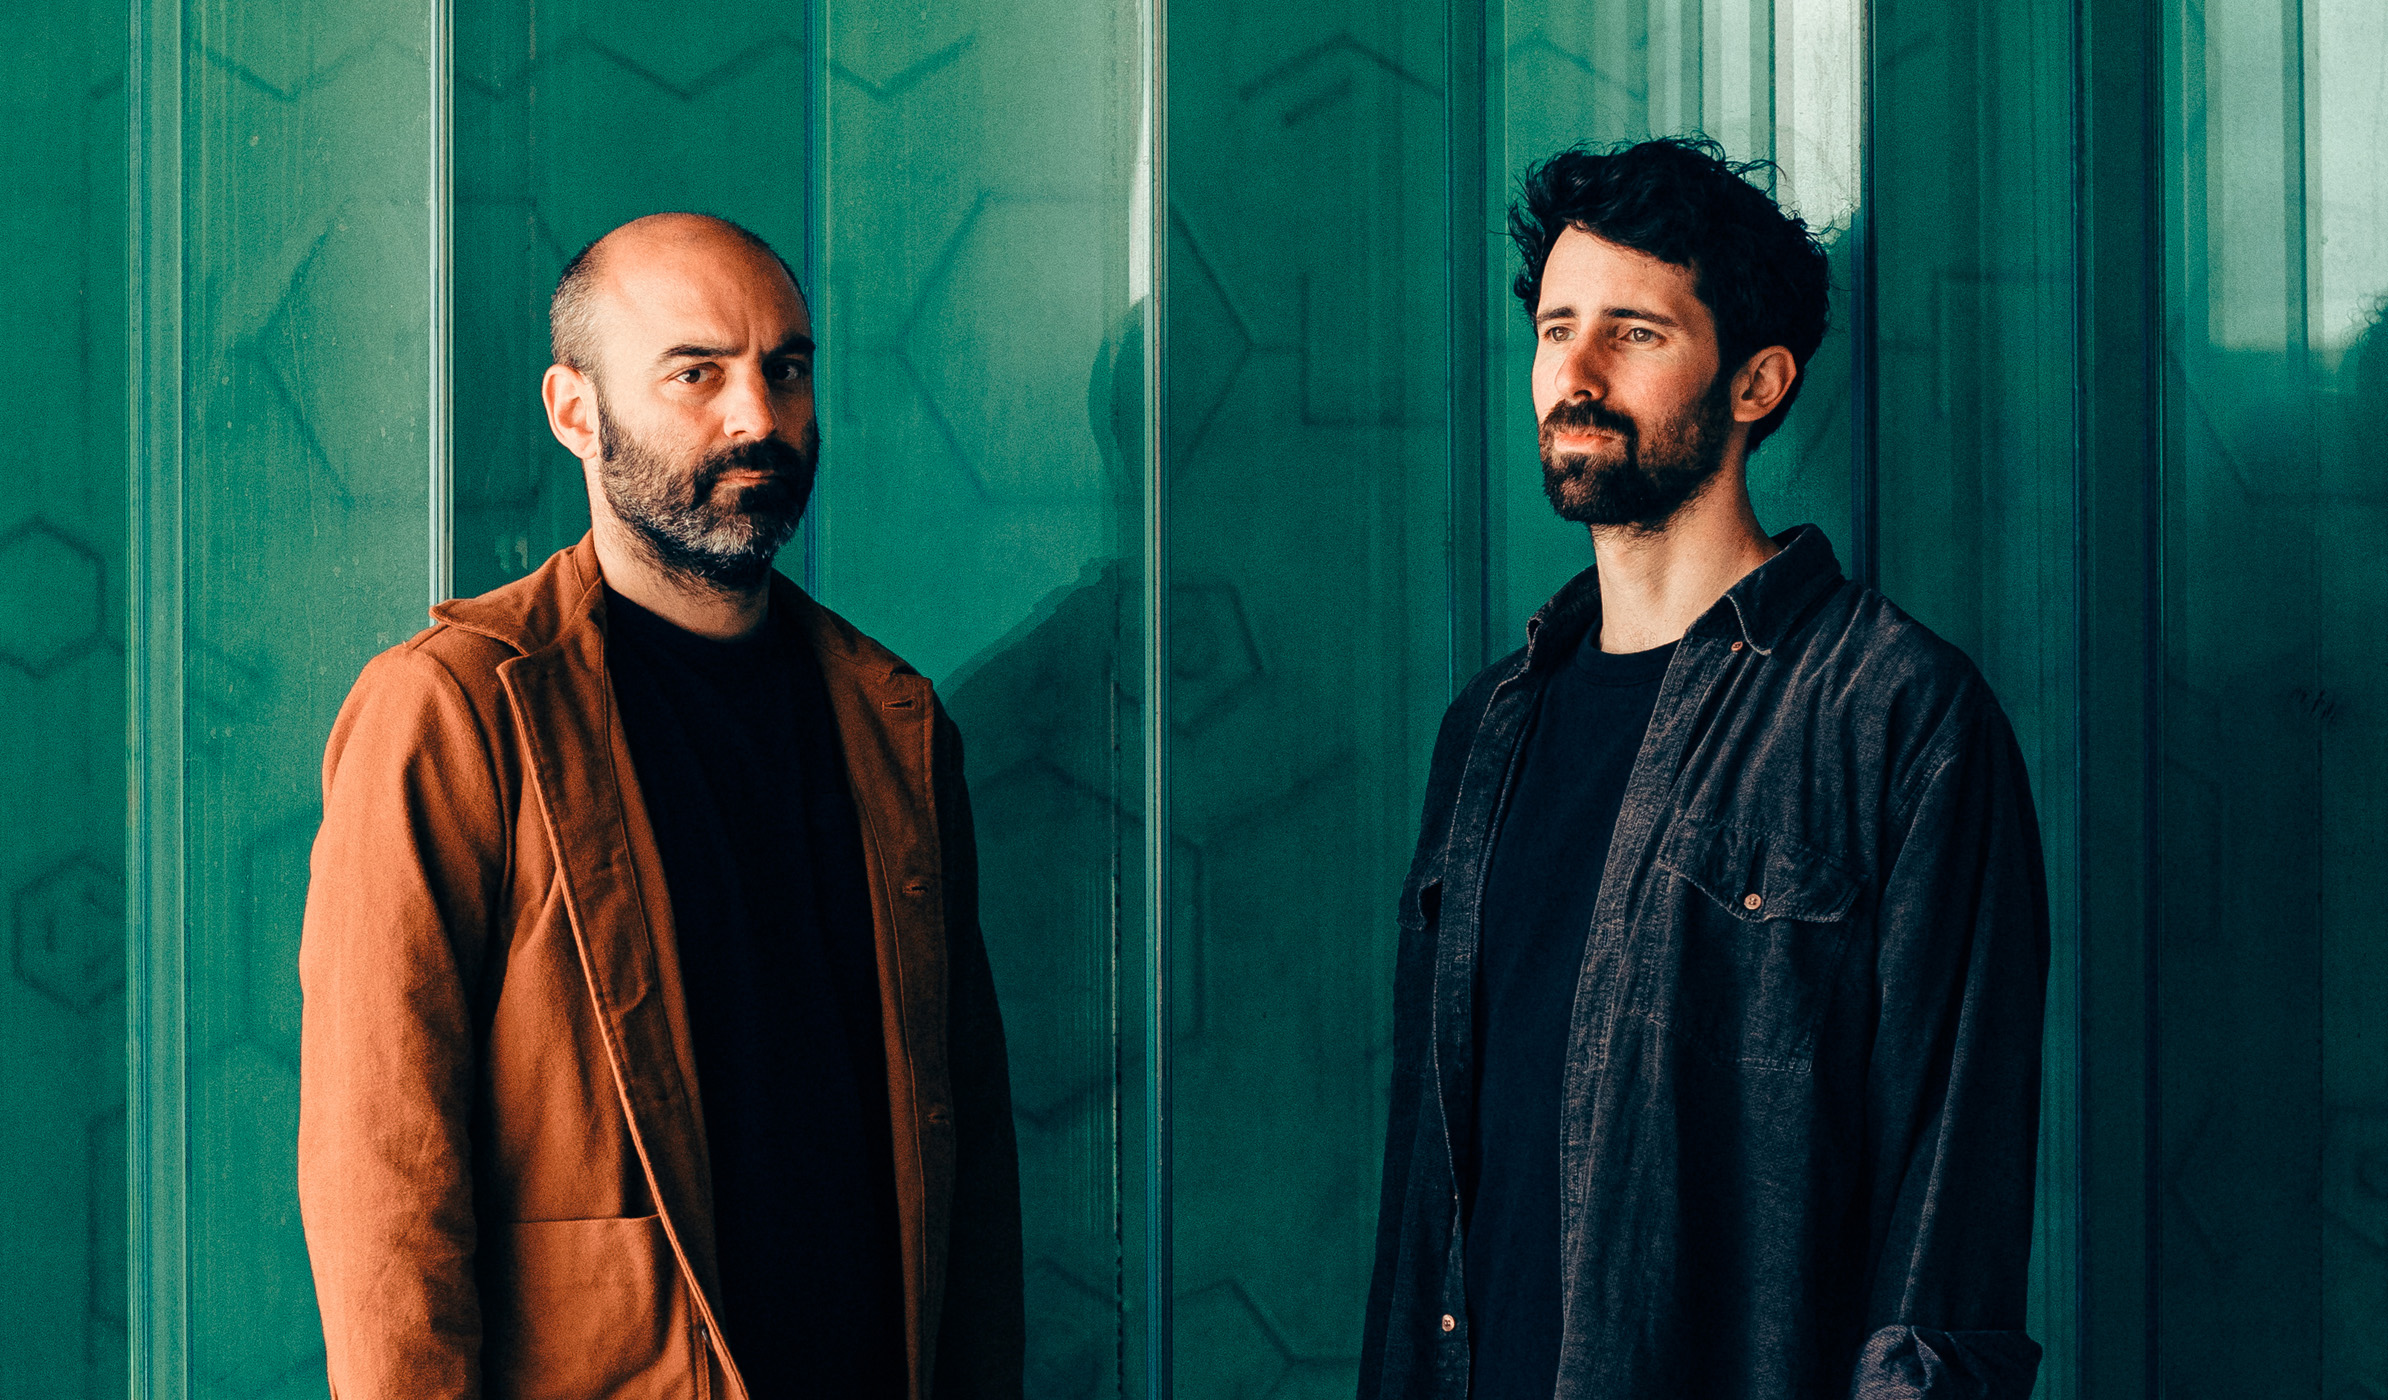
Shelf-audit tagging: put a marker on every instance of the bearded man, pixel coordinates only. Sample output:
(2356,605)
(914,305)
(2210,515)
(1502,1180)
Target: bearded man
(1718,1000)
(650,1044)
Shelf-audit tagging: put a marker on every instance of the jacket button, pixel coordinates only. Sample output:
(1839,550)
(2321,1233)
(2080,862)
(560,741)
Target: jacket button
(1737,646)
(1450,1323)
(1751,901)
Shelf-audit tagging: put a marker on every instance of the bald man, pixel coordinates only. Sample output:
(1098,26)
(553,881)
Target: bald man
(650,1045)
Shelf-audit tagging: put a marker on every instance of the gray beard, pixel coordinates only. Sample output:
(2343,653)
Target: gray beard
(678,518)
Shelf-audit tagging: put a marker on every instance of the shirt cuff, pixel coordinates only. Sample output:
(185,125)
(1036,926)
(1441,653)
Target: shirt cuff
(1920,1363)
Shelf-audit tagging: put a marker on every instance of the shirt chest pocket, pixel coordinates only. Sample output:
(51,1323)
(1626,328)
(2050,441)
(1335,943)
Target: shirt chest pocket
(1762,924)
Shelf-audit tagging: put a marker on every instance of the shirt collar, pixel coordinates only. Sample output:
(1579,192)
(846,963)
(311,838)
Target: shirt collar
(1759,610)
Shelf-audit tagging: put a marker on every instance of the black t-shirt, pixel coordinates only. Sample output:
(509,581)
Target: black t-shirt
(745,783)
(1538,903)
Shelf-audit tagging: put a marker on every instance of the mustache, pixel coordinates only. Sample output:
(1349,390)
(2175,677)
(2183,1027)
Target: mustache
(1580,414)
(783,459)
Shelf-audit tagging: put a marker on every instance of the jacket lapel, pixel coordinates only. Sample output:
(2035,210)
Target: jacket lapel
(620,910)
(886,720)
(612,872)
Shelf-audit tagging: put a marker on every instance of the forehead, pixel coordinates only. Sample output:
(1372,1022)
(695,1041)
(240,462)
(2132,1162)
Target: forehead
(704,289)
(1590,275)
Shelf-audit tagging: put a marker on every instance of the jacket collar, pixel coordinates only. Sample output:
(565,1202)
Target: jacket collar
(1760,610)
(533,612)
(536,611)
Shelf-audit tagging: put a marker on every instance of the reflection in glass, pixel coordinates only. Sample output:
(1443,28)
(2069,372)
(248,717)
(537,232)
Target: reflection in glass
(1309,604)
(982,510)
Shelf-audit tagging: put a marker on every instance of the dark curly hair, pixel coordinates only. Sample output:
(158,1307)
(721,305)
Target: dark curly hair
(1759,271)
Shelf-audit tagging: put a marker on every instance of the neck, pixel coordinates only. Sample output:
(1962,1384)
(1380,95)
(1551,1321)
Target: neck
(690,604)
(1655,584)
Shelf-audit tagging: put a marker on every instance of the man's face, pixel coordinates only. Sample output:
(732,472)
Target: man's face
(704,389)
(1627,384)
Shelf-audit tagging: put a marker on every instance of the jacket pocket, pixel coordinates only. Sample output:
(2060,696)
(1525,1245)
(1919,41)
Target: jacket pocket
(1763,920)
(587,1309)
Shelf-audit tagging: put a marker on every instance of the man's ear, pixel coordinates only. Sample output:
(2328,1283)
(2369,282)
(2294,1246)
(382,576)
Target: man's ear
(1759,385)
(571,401)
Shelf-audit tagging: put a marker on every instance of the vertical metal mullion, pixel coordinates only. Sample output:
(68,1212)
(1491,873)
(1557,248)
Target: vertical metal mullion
(157,1104)
(816,214)
(2297,257)
(440,489)
(1466,130)
(2156,439)
(1158,1281)
(2121,261)
(1865,544)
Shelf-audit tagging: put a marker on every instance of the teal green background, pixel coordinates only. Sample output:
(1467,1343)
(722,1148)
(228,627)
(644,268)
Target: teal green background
(1175,424)
(63,620)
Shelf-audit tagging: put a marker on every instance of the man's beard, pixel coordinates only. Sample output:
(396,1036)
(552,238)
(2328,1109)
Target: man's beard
(1640,486)
(726,544)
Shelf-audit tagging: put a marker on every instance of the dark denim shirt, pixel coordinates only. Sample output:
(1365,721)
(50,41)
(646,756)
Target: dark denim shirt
(1802,1090)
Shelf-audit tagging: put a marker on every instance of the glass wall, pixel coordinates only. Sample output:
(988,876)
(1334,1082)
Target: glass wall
(1177,427)
(2271,1110)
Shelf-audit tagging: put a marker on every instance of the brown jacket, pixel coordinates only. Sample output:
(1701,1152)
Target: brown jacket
(502,1163)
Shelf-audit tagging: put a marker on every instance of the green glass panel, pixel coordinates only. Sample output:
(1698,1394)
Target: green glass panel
(984,259)
(1309,644)
(1973,419)
(573,116)
(304,477)
(2271,1156)
(1769,79)
(62,688)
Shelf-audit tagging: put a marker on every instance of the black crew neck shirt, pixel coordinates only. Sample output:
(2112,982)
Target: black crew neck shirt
(745,784)
(1538,903)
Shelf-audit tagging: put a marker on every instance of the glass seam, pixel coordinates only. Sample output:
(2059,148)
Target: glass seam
(1158,1281)
(440,494)
(156,1011)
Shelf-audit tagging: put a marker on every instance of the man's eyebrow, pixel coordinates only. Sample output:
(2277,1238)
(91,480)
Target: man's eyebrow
(1556,313)
(793,345)
(1632,313)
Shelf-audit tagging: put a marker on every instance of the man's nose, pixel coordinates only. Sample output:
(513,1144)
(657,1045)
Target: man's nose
(1582,371)
(746,410)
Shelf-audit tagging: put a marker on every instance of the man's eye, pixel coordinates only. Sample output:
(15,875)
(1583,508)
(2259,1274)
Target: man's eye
(691,375)
(1559,333)
(1640,335)
(791,371)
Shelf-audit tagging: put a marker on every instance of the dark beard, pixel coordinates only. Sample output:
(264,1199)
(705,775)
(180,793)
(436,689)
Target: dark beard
(1639,489)
(726,545)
